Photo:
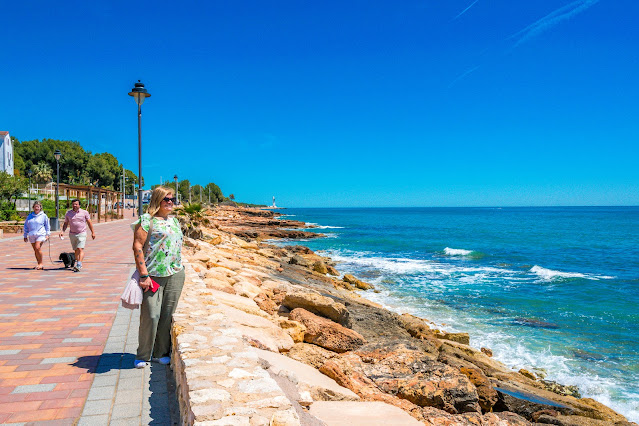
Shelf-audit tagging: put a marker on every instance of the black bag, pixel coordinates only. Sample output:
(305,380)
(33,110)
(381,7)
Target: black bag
(68,259)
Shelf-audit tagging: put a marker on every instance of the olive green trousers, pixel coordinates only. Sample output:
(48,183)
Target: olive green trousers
(156,313)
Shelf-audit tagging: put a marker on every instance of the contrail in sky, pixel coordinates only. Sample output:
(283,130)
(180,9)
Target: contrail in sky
(464,74)
(552,19)
(465,10)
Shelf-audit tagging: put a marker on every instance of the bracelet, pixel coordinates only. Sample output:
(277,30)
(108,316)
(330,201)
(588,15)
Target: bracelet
(144,276)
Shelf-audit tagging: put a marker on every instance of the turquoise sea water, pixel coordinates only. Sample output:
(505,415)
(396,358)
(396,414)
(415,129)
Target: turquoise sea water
(547,289)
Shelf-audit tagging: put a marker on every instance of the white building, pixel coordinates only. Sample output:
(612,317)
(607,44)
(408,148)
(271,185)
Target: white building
(6,153)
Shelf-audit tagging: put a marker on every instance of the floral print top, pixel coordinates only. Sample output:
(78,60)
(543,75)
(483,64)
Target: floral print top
(163,257)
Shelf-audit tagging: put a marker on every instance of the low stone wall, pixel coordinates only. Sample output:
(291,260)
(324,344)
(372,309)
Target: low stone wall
(220,380)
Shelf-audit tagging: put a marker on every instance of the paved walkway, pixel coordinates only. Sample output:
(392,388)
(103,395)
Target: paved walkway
(66,346)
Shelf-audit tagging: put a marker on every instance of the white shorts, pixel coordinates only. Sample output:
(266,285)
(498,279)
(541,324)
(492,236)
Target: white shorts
(34,238)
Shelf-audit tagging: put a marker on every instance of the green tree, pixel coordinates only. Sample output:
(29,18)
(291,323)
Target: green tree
(216,193)
(12,187)
(183,188)
(73,161)
(196,192)
(232,197)
(104,170)
(131,181)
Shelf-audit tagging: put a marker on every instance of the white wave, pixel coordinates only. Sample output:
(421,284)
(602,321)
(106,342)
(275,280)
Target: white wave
(457,252)
(318,226)
(409,266)
(550,275)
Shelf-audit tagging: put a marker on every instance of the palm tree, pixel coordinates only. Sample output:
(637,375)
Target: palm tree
(42,173)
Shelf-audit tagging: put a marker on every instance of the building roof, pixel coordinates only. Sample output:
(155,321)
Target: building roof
(3,133)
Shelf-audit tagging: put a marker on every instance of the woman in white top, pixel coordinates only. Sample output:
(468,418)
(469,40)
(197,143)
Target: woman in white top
(36,231)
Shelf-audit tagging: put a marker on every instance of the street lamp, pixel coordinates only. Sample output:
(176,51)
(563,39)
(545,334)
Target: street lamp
(30,173)
(57,154)
(176,186)
(139,94)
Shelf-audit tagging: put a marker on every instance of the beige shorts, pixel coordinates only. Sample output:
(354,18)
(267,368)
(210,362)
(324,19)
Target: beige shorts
(78,240)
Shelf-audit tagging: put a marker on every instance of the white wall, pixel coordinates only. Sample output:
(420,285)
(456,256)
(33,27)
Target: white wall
(6,155)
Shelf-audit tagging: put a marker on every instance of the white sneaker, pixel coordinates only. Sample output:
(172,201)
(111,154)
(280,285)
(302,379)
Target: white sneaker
(138,363)
(164,360)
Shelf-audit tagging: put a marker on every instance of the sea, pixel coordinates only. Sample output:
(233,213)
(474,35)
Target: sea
(553,290)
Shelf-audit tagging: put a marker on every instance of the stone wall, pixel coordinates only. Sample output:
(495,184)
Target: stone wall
(220,380)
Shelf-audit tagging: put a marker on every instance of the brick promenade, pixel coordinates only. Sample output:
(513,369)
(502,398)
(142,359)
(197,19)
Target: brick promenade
(66,347)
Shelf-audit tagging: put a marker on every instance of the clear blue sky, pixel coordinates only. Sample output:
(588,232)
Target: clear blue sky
(341,103)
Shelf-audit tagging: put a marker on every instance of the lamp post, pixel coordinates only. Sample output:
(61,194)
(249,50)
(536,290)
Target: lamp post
(189,192)
(176,186)
(57,154)
(139,94)
(200,191)
(30,173)
(209,194)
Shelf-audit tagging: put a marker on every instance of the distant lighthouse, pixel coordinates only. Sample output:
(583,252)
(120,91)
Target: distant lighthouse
(274,202)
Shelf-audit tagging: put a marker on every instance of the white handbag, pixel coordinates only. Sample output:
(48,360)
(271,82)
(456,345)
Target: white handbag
(132,294)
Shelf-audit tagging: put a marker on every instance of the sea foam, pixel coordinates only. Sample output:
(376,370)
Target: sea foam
(457,252)
(551,275)
(318,226)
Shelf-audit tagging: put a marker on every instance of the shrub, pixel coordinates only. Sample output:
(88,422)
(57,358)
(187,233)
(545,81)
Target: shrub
(192,208)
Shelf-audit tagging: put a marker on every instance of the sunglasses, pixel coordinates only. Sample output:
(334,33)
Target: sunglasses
(167,199)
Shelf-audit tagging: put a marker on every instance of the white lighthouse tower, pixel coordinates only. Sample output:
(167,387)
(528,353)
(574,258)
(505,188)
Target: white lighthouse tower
(274,206)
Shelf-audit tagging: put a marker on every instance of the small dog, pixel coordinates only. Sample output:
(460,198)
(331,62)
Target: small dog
(68,259)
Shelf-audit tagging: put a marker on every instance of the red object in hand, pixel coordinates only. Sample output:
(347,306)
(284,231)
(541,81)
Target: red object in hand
(154,286)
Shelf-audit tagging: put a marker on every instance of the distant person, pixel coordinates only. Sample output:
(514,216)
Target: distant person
(77,220)
(37,231)
(158,258)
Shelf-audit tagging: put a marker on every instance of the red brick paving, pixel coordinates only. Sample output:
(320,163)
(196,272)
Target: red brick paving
(27,297)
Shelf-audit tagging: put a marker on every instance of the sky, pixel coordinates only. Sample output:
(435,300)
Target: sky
(341,103)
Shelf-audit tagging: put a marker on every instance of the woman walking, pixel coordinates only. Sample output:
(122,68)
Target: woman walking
(37,231)
(157,249)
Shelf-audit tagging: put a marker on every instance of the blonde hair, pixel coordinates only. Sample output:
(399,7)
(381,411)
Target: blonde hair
(157,196)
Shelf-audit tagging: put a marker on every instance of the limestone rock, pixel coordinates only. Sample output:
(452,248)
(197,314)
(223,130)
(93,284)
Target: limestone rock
(361,414)
(348,278)
(285,418)
(312,355)
(265,303)
(219,285)
(487,352)
(307,378)
(405,370)
(298,260)
(270,338)
(294,329)
(462,338)
(238,302)
(246,289)
(528,374)
(487,395)
(435,417)
(416,327)
(326,333)
(317,304)
(332,271)
(320,267)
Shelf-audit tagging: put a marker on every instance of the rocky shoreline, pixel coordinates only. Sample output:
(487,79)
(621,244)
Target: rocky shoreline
(322,347)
